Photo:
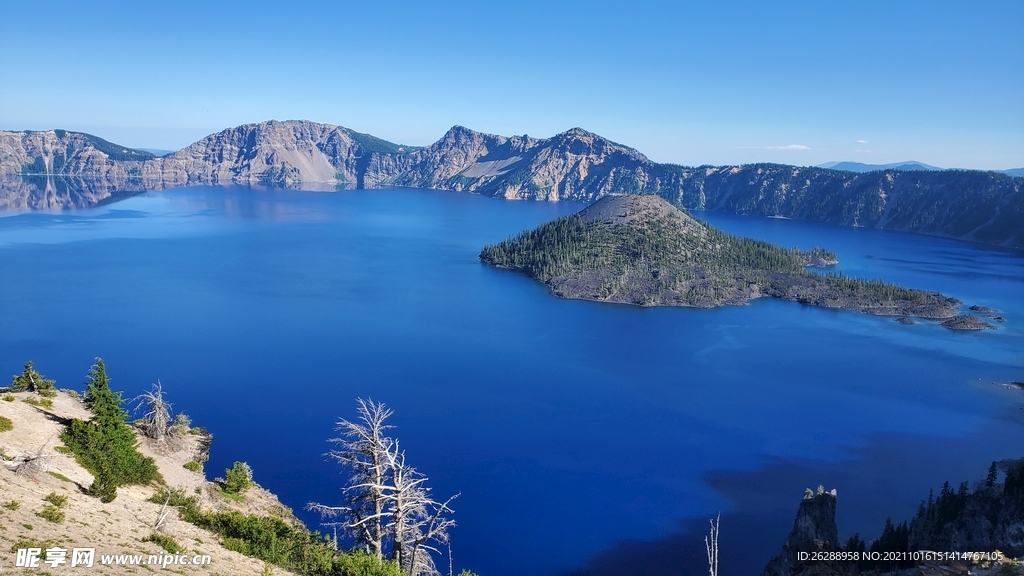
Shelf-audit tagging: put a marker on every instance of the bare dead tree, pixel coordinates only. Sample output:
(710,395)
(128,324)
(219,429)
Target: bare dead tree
(416,518)
(387,507)
(161,519)
(361,448)
(31,465)
(711,543)
(157,417)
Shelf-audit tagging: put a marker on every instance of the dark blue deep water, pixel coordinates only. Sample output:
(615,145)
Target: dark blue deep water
(582,436)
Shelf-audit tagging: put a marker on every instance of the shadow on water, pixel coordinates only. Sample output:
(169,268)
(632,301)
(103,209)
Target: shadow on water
(893,467)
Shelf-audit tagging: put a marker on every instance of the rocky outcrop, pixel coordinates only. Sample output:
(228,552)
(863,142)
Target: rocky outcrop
(967,322)
(576,165)
(813,531)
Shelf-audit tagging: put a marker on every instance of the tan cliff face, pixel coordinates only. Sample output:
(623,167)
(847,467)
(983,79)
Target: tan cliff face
(59,169)
(574,165)
(284,154)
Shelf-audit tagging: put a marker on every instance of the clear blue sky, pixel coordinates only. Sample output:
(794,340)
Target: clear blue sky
(710,82)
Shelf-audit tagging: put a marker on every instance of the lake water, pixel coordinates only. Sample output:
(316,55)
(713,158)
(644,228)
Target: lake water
(582,436)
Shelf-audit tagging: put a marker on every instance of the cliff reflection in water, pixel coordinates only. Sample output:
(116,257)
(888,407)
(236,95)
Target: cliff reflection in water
(58,192)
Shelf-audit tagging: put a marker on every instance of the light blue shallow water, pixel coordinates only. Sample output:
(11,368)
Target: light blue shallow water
(567,426)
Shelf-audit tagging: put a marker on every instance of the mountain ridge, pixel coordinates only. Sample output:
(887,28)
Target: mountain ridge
(58,169)
(850,166)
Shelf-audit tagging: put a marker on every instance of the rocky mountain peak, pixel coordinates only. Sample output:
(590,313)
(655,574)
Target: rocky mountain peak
(628,209)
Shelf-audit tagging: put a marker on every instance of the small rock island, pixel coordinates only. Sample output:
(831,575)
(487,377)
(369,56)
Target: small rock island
(643,250)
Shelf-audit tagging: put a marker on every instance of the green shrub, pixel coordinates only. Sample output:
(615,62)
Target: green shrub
(41,402)
(58,476)
(51,513)
(181,424)
(70,392)
(166,542)
(193,465)
(237,479)
(286,544)
(8,397)
(105,445)
(5,424)
(12,504)
(237,545)
(62,450)
(188,506)
(56,499)
(233,497)
(33,543)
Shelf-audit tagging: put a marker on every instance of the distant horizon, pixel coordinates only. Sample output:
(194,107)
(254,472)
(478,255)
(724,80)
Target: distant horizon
(721,83)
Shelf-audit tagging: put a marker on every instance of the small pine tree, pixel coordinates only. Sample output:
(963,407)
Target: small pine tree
(104,403)
(31,381)
(105,444)
(993,474)
(237,479)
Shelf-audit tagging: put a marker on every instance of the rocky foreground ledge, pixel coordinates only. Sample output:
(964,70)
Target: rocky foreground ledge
(643,250)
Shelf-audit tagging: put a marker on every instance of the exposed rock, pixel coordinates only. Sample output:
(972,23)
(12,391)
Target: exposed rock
(905,320)
(814,530)
(576,165)
(967,322)
(982,309)
(119,527)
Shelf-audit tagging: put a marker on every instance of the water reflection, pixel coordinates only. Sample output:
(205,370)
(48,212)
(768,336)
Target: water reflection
(50,192)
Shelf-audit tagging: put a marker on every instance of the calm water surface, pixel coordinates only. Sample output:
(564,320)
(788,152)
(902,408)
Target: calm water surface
(579,434)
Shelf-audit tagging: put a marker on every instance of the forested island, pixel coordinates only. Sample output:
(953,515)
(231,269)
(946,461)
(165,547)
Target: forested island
(643,250)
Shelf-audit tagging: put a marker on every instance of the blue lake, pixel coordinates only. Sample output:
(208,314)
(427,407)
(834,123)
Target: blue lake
(582,436)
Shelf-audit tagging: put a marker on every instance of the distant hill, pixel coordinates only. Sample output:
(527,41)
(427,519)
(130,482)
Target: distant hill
(861,167)
(59,169)
(1015,172)
(157,151)
(640,249)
